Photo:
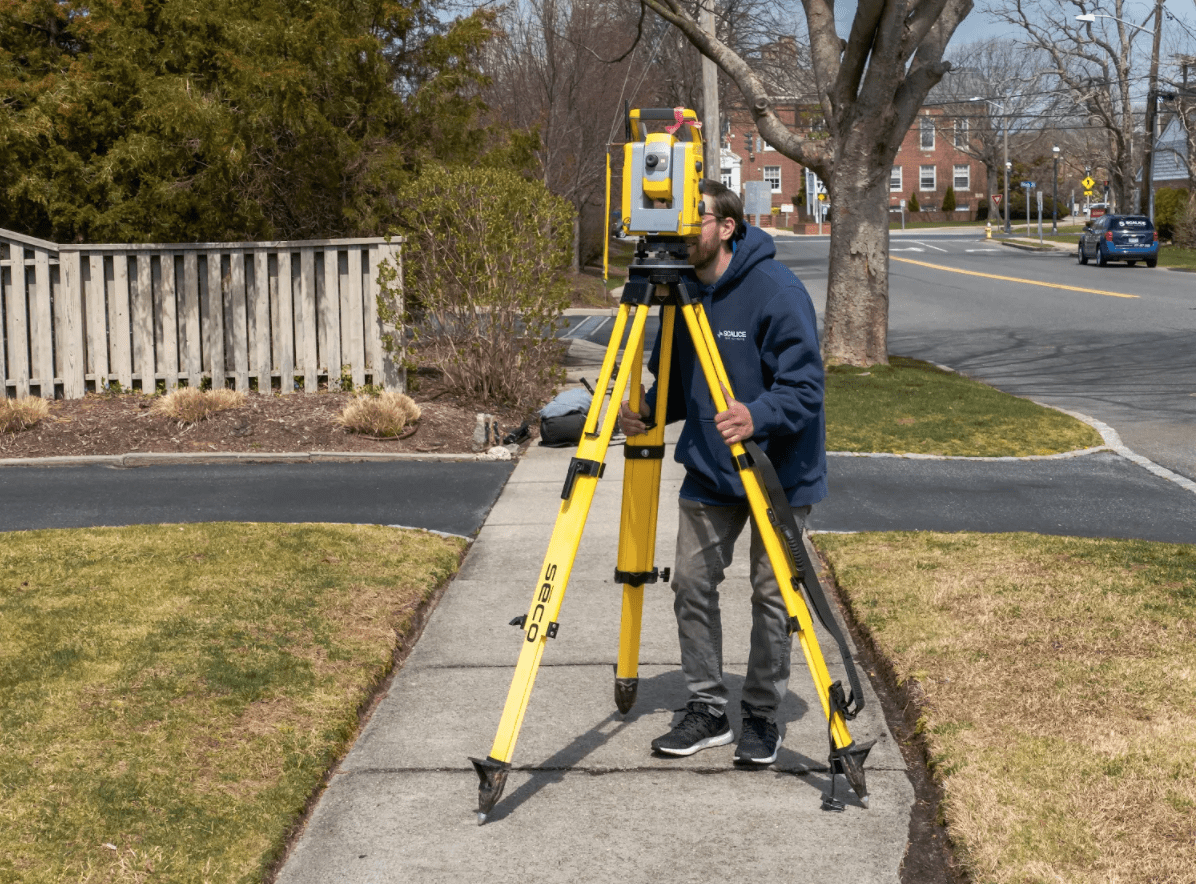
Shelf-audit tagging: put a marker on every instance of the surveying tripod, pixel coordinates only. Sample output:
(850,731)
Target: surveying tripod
(661,275)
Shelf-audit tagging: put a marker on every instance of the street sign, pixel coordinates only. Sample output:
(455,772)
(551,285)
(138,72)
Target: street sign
(997,198)
(1027,184)
(1088,183)
(757,197)
(1089,193)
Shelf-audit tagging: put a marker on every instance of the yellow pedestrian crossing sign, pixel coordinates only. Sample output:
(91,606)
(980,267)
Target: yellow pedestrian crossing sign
(1088,182)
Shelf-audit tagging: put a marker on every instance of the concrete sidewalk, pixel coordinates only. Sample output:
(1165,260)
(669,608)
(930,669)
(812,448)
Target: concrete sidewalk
(587,800)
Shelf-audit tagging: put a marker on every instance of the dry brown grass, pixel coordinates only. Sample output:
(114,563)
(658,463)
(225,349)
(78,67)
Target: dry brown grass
(190,405)
(1057,684)
(21,414)
(386,414)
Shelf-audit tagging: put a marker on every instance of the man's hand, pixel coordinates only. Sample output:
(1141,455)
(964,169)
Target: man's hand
(735,424)
(633,423)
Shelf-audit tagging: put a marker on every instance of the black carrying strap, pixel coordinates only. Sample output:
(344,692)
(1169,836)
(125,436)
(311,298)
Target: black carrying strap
(786,524)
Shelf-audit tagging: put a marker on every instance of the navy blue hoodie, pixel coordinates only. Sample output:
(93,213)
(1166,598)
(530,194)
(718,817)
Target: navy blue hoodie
(764,324)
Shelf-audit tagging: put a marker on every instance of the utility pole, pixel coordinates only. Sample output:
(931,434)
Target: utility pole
(711,125)
(1146,203)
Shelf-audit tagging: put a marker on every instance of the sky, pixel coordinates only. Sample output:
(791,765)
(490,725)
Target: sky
(980,25)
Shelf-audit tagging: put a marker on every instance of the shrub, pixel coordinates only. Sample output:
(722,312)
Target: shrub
(386,414)
(1170,210)
(912,204)
(21,414)
(190,405)
(949,199)
(486,279)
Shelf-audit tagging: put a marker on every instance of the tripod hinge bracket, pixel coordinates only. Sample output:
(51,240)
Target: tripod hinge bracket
(639,578)
(643,452)
(580,467)
(550,632)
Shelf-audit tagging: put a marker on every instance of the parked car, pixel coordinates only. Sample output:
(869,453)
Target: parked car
(1129,238)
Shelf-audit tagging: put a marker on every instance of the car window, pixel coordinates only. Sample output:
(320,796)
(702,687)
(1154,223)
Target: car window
(1132,224)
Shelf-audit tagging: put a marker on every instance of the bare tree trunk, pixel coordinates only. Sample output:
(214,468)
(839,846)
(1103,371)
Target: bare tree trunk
(857,291)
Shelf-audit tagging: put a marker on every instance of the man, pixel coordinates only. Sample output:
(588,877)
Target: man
(766,329)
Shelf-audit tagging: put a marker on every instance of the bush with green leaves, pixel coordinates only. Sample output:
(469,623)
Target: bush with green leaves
(485,280)
(949,199)
(1170,211)
(912,204)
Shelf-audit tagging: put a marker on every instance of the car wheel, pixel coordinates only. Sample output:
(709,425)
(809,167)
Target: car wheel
(1080,256)
(1100,257)
(1152,262)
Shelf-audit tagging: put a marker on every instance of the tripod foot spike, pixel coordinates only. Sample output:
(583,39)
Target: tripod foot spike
(625,691)
(849,761)
(492,777)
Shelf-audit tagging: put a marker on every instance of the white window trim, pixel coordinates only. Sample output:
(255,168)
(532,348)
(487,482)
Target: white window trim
(924,127)
(776,188)
(934,175)
(895,180)
(967,176)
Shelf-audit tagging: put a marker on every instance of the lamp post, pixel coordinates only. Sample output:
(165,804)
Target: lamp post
(1001,107)
(1055,195)
(1146,202)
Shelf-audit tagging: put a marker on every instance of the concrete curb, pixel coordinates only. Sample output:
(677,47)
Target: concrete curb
(146,459)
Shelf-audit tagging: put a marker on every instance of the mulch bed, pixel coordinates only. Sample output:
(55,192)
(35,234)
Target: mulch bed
(125,424)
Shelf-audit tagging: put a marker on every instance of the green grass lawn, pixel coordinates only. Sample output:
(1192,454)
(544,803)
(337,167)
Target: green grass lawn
(911,407)
(171,697)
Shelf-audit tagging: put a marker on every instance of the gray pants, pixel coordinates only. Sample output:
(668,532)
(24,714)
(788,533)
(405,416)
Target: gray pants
(705,541)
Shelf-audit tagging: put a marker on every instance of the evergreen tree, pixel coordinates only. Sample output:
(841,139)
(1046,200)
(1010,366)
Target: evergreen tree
(949,199)
(180,120)
(912,204)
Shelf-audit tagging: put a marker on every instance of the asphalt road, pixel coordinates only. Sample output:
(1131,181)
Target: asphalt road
(1115,343)
(450,497)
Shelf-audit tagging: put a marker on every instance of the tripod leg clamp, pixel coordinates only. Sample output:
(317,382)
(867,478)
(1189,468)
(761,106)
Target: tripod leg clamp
(639,578)
(580,467)
(643,452)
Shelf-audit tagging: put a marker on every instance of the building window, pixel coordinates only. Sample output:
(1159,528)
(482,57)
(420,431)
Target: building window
(726,178)
(927,133)
(926,178)
(963,178)
(961,134)
(895,180)
(772,174)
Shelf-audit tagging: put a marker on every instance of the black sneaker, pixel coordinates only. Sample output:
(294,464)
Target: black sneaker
(697,730)
(758,741)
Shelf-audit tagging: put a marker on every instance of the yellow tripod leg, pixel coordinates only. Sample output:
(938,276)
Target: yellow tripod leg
(716,379)
(540,622)
(637,529)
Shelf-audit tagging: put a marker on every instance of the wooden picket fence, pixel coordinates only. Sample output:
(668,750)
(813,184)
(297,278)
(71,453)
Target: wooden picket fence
(270,315)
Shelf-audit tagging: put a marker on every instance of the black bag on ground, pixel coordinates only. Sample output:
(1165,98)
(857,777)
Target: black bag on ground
(563,420)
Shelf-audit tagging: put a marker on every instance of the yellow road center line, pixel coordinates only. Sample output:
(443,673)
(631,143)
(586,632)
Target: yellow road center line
(1049,285)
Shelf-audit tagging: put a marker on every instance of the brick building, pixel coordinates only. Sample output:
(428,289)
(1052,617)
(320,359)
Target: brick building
(927,163)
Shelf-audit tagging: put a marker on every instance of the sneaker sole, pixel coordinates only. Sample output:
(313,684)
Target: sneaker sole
(742,759)
(708,743)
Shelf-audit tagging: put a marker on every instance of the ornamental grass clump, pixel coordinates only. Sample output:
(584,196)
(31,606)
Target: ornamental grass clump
(21,414)
(190,405)
(385,415)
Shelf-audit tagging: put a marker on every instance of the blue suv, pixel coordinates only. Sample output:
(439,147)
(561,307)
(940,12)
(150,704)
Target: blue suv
(1129,238)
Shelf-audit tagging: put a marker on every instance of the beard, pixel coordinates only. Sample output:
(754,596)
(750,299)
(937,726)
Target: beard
(704,253)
